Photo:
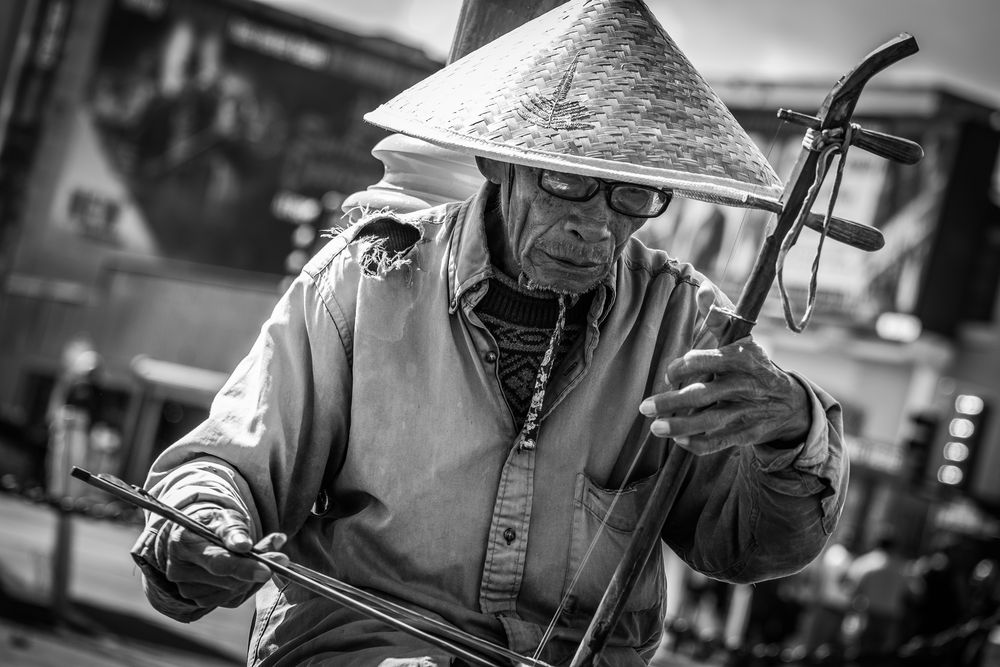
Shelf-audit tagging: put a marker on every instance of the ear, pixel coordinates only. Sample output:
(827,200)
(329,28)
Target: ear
(493,171)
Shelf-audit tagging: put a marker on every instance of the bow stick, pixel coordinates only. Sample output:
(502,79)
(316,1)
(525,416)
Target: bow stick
(832,122)
(455,642)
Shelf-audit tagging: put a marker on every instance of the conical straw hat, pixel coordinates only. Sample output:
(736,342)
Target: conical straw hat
(593,87)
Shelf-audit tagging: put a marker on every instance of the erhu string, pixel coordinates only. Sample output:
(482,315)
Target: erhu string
(550,629)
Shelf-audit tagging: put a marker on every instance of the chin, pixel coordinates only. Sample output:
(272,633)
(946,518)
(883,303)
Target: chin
(563,282)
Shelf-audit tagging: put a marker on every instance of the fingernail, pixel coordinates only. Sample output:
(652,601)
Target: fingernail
(682,440)
(239,540)
(660,427)
(648,408)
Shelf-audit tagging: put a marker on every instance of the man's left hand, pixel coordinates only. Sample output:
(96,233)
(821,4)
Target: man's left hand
(729,397)
(732,396)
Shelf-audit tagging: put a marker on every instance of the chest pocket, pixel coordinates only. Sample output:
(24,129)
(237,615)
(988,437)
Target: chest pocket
(640,622)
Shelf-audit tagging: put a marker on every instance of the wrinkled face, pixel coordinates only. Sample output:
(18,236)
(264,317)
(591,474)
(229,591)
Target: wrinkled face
(565,246)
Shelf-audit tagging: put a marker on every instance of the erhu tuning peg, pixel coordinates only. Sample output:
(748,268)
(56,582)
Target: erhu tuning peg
(884,145)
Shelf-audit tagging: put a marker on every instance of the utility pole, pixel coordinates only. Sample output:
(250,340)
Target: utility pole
(482,21)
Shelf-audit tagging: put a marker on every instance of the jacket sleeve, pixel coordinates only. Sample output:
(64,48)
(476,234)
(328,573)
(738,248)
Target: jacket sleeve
(279,426)
(752,513)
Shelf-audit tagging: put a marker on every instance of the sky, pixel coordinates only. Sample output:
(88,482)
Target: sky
(774,39)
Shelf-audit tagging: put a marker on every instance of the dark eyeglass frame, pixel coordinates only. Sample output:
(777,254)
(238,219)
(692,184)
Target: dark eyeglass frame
(609,187)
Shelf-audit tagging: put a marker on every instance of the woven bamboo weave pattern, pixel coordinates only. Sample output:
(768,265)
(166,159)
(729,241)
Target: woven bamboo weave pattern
(594,87)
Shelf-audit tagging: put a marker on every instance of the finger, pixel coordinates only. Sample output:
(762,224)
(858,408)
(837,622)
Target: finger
(272,542)
(667,403)
(230,525)
(236,536)
(226,565)
(214,565)
(700,395)
(208,596)
(277,557)
(737,435)
(721,417)
(185,546)
(701,445)
(199,591)
(693,365)
(736,357)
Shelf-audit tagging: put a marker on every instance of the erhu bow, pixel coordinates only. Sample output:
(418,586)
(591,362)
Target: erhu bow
(455,642)
(830,132)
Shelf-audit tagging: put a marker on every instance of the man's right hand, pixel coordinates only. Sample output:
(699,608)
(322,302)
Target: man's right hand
(187,576)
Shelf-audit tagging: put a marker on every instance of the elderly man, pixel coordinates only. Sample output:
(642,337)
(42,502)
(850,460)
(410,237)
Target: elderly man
(449,407)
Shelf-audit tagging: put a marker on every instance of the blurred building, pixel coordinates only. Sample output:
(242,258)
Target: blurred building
(166,164)
(906,337)
(899,334)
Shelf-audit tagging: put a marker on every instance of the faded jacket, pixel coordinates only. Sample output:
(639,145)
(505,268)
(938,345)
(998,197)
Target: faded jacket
(377,391)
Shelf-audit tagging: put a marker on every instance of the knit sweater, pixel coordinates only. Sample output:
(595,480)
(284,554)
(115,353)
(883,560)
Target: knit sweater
(522,323)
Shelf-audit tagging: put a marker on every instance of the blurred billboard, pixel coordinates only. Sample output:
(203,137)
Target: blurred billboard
(934,216)
(853,286)
(209,131)
(166,165)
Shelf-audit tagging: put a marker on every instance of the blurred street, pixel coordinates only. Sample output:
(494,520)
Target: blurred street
(109,621)
(168,167)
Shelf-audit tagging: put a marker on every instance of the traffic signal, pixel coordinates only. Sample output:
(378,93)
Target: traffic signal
(920,440)
(303,237)
(302,213)
(960,432)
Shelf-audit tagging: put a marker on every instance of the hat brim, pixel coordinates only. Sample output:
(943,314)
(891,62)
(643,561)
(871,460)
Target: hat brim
(702,187)
(594,87)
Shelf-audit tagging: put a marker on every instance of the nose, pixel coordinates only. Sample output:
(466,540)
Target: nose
(590,227)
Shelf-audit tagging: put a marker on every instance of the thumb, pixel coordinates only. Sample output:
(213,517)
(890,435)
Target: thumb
(713,305)
(235,534)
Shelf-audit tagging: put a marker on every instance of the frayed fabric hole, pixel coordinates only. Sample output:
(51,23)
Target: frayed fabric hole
(376,259)
(383,243)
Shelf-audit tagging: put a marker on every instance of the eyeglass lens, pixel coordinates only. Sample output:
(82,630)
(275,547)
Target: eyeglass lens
(625,198)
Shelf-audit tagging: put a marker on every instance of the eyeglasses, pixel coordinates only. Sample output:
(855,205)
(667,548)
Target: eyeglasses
(637,201)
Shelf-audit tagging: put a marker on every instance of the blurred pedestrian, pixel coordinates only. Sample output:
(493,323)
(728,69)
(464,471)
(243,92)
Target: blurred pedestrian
(774,614)
(879,583)
(74,408)
(704,608)
(826,603)
(945,597)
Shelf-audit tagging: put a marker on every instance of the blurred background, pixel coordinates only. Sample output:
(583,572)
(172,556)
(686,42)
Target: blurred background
(167,165)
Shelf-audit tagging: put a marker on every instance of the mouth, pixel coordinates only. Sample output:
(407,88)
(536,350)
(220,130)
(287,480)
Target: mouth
(576,262)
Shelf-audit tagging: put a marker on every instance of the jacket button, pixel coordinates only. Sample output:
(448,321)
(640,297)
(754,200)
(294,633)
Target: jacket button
(491,357)
(509,535)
